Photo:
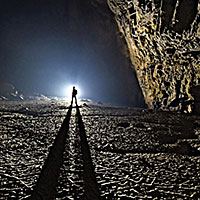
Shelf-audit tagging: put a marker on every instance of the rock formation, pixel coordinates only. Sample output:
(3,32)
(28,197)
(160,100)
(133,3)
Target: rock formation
(163,38)
(9,92)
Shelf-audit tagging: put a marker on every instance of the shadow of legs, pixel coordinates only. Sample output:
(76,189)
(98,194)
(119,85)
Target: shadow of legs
(90,183)
(46,185)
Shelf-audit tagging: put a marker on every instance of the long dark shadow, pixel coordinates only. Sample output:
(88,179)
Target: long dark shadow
(46,186)
(90,183)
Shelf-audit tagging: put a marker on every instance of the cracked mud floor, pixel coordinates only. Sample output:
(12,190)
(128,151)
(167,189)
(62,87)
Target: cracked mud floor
(137,154)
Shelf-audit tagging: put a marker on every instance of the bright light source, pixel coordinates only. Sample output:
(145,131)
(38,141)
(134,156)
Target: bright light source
(69,90)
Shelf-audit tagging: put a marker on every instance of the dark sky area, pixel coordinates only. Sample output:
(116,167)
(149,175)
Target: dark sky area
(47,45)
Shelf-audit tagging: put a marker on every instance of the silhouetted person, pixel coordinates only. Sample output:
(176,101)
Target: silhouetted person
(74,93)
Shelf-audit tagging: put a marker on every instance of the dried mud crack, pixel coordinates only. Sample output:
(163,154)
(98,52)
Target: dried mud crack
(129,153)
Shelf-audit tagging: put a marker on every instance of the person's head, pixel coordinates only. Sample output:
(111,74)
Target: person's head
(73,87)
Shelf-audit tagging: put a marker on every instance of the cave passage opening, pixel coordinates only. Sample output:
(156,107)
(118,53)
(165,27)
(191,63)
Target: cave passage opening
(48,45)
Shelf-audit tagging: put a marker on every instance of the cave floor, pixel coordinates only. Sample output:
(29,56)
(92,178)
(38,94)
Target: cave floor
(136,153)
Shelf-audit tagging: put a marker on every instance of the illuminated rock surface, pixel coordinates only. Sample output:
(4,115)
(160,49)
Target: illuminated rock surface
(137,154)
(163,38)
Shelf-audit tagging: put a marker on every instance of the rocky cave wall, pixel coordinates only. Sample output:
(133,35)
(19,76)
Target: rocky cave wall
(163,38)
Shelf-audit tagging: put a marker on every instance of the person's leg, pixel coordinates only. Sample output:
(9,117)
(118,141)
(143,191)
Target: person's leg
(72,101)
(75,100)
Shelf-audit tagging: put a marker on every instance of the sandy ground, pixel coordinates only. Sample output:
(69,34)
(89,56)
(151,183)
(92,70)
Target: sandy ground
(136,154)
